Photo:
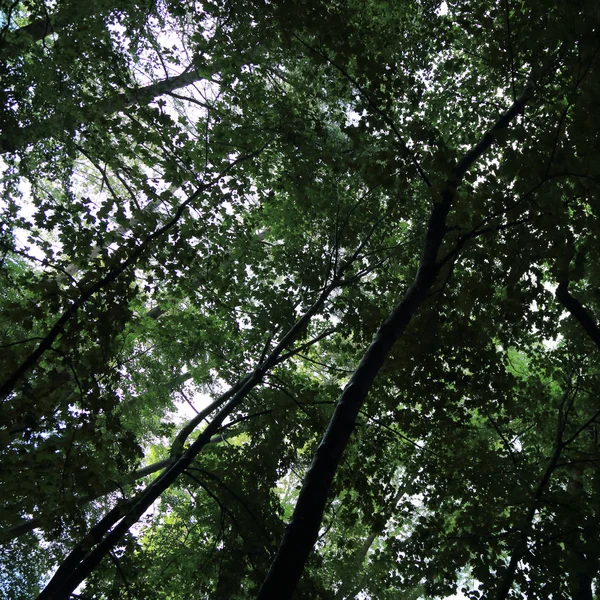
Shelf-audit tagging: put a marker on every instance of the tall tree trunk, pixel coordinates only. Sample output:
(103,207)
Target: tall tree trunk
(28,525)
(303,530)
(110,530)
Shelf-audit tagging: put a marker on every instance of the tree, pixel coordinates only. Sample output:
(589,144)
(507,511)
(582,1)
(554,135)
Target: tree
(366,230)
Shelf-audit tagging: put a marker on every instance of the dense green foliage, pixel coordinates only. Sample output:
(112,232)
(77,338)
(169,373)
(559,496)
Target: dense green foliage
(219,204)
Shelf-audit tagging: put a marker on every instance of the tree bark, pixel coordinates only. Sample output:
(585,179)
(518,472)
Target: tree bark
(29,525)
(303,530)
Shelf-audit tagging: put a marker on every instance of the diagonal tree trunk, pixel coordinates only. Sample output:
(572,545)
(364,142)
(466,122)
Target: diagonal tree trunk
(303,530)
(110,530)
(28,525)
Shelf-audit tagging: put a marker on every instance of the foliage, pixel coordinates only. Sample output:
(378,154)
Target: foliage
(360,238)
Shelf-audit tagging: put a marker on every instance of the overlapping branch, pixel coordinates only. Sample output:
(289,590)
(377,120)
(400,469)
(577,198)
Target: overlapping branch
(9,384)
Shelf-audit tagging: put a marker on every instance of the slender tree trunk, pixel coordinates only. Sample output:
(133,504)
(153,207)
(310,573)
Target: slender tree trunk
(29,525)
(104,536)
(303,529)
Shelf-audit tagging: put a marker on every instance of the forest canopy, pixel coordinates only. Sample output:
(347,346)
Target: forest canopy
(299,299)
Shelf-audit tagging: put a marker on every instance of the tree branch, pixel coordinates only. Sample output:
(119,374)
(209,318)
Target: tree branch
(376,108)
(578,312)
(80,564)
(8,386)
(56,125)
